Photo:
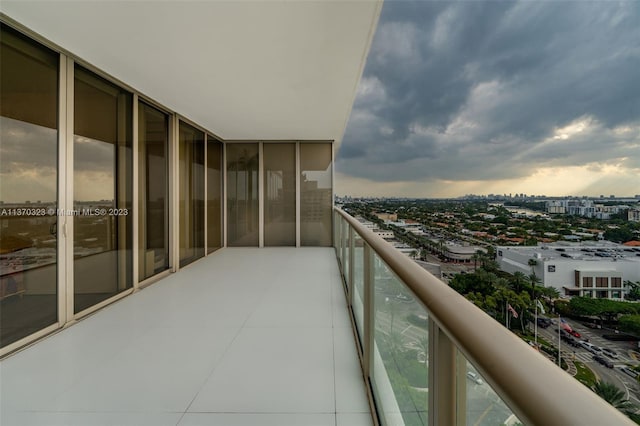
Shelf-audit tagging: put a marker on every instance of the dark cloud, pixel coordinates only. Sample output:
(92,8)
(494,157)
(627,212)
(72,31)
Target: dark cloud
(478,90)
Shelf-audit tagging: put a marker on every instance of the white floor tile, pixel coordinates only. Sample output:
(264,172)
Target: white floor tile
(273,370)
(263,419)
(350,387)
(43,418)
(161,372)
(354,419)
(244,336)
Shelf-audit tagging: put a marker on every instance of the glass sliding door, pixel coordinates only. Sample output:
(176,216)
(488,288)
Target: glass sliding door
(242,194)
(214,194)
(191,189)
(102,187)
(279,182)
(28,187)
(316,194)
(153,196)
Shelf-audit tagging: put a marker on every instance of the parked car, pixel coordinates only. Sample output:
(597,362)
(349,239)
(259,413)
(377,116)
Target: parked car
(543,322)
(603,361)
(595,349)
(585,345)
(630,372)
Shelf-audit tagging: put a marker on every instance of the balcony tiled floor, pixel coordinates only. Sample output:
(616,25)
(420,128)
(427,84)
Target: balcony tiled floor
(244,337)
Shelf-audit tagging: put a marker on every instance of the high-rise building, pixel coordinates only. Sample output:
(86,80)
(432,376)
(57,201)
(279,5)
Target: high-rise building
(183,155)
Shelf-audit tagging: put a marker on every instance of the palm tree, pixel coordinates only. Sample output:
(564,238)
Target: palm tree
(502,282)
(614,396)
(519,279)
(534,279)
(550,292)
(423,254)
(477,256)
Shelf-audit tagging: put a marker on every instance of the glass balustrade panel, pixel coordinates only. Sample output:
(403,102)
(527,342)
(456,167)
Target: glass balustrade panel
(400,365)
(483,406)
(358,284)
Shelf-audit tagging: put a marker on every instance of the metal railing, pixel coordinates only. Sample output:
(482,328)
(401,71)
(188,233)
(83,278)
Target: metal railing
(416,335)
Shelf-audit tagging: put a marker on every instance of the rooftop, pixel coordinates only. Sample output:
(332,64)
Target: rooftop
(593,252)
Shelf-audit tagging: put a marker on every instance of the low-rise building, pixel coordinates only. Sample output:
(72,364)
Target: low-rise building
(461,254)
(595,269)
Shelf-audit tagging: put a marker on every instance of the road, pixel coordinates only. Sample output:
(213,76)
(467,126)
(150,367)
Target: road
(614,375)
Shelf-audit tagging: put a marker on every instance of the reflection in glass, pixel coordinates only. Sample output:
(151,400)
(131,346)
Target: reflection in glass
(191,169)
(279,194)
(483,406)
(28,186)
(242,194)
(401,349)
(358,284)
(102,152)
(214,194)
(153,230)
(316,194)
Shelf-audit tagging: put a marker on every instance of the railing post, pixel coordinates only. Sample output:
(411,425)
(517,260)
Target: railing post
(442,377)
(461,389)
(351,254)
(343,246)
(337,222)
(368,310)
(340,224)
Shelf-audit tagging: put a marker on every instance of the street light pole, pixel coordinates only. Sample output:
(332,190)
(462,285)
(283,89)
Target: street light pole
(559,341)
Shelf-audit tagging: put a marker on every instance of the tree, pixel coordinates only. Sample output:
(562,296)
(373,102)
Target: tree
(423,254)
(630,323)
(491,252)
(614,396)
(533,277)
(619,235)
(605,309)
(549,292)
(477,256)
(518,281)
(634,290)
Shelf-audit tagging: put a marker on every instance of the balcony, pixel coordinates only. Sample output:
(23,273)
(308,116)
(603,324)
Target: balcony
(244,336)
(264,336)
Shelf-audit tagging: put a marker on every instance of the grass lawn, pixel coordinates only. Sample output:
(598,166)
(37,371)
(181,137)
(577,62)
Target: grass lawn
(585,375)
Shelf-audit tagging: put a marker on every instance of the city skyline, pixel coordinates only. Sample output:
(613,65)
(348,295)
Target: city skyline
(497,97)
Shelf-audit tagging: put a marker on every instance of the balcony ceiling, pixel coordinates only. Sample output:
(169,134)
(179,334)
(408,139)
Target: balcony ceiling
(243,70)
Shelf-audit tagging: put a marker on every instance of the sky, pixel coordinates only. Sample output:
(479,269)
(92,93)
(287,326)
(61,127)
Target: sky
(480,97)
